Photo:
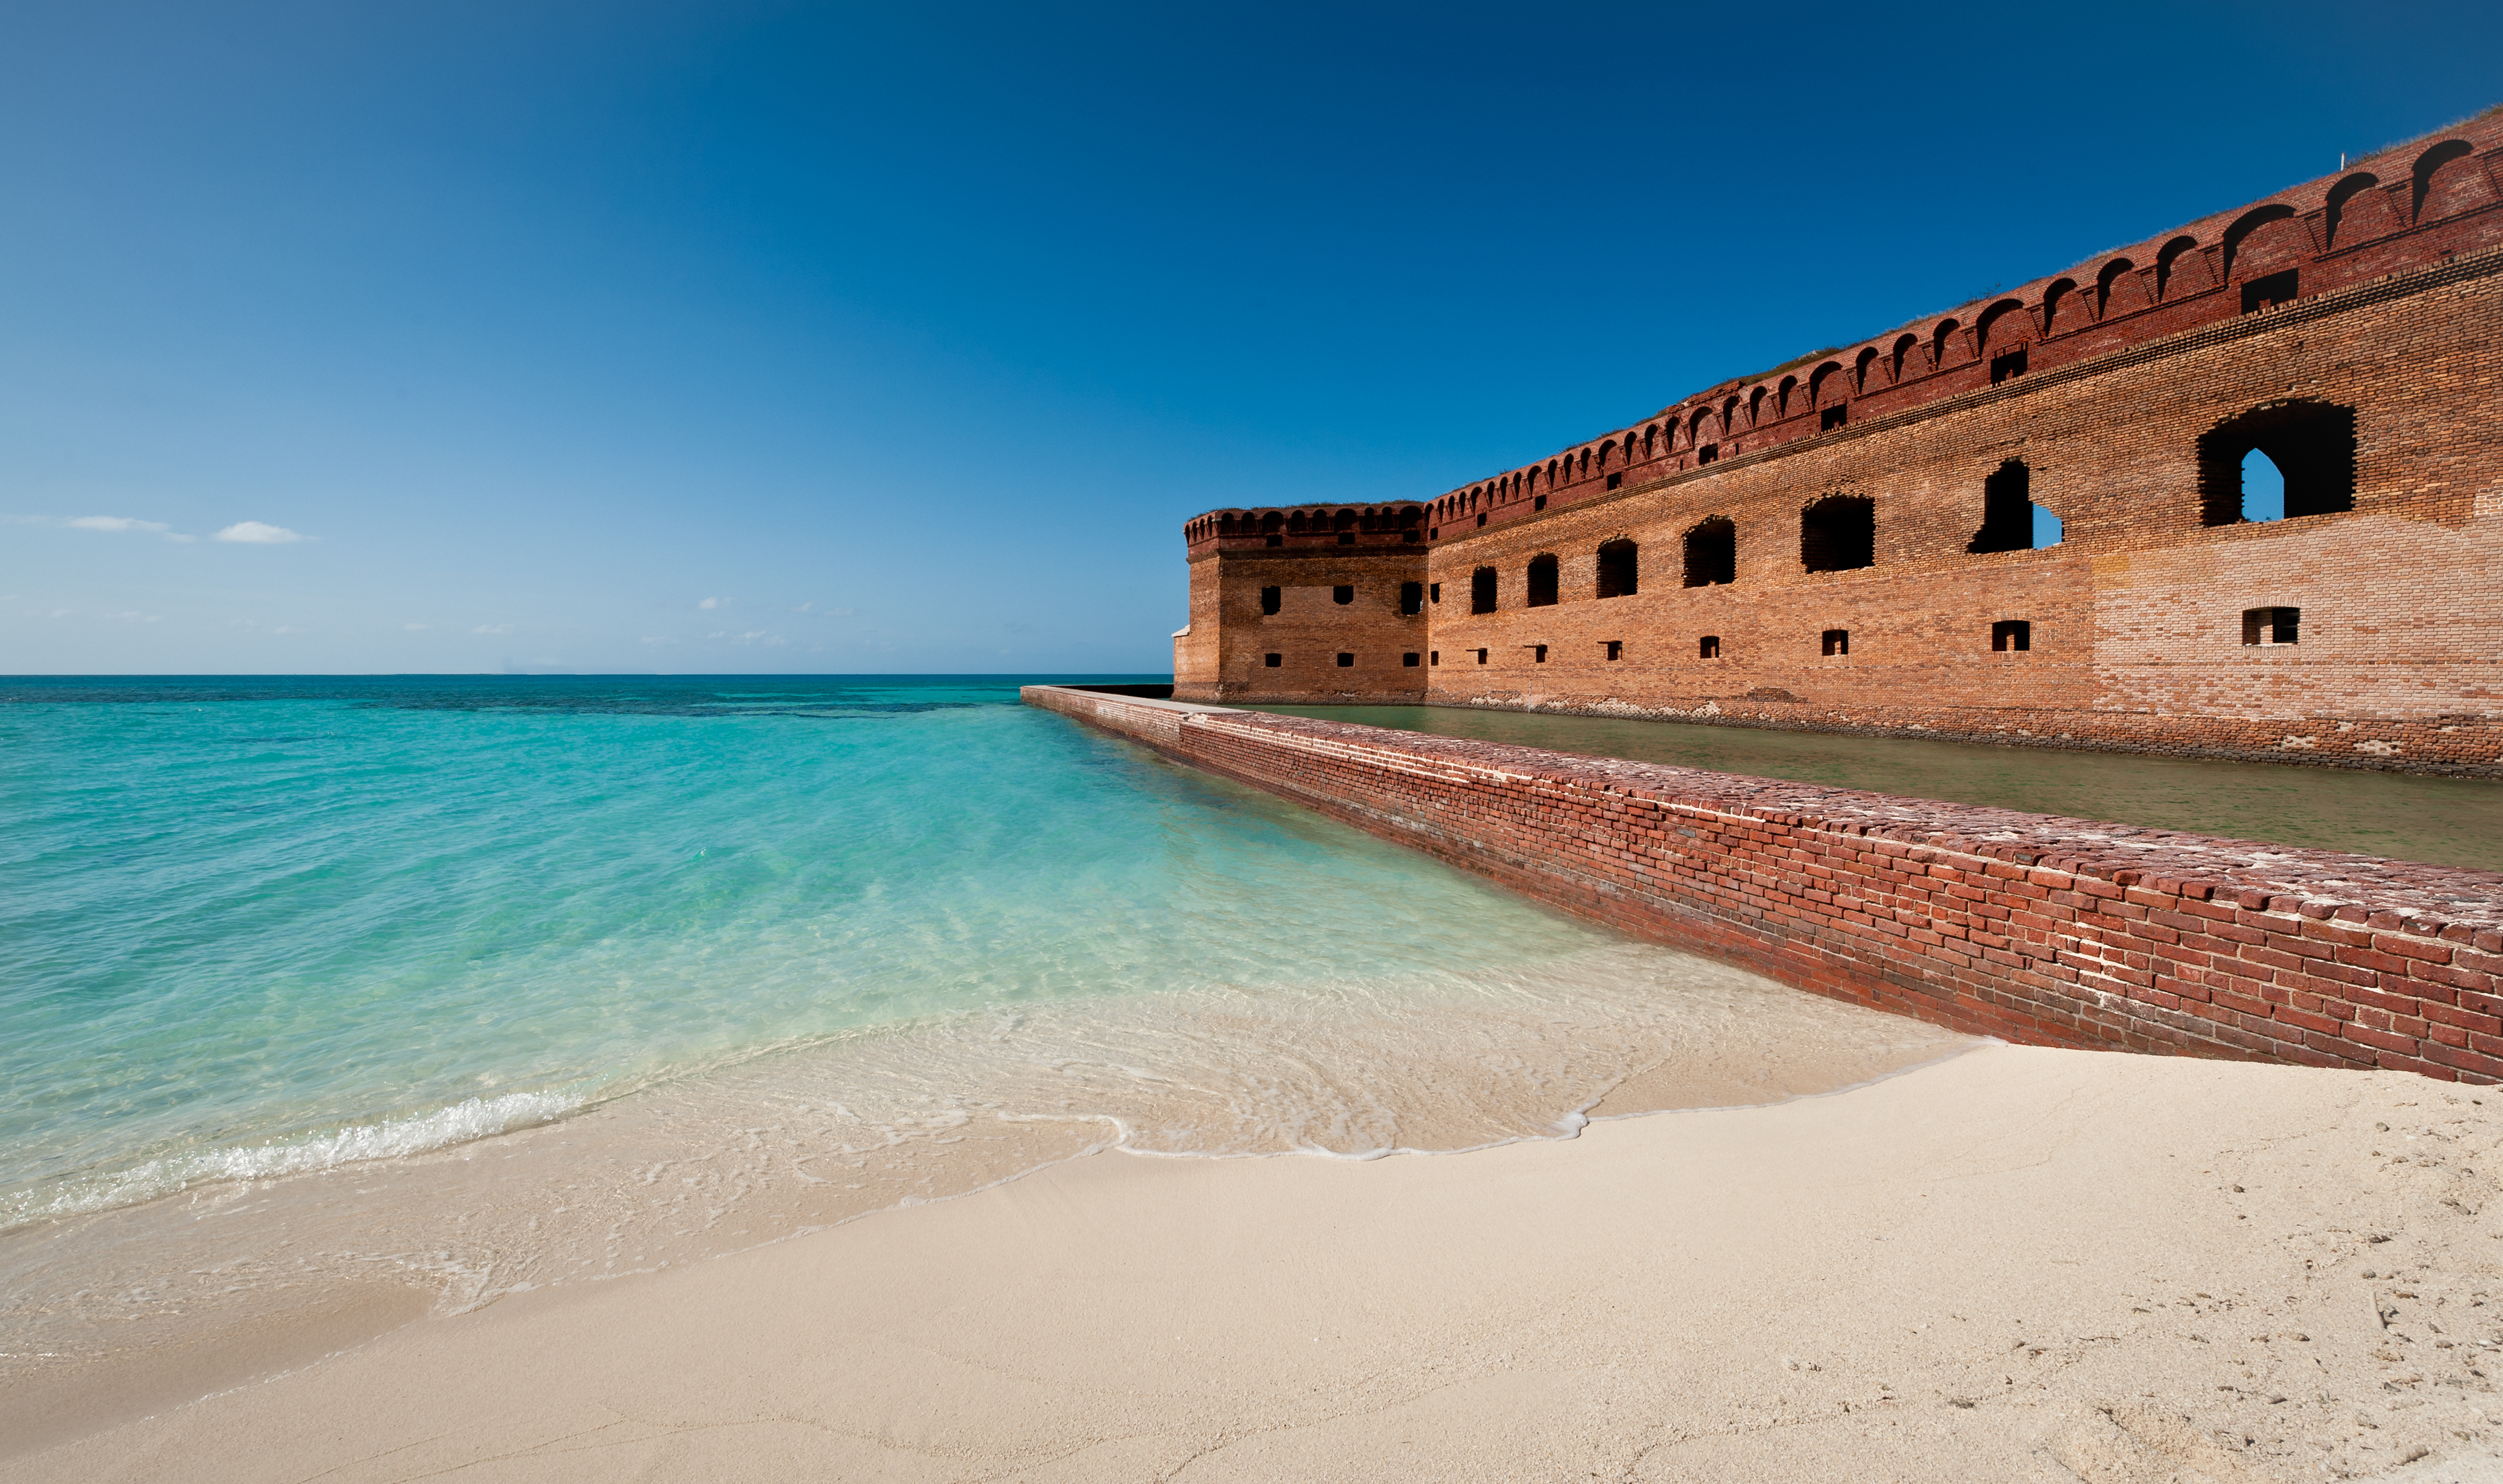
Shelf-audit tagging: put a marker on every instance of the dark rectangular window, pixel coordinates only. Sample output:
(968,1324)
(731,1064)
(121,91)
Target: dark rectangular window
(1481,520)
(1343,594)
(1708,452)
(1270,597)
(1407,535)
(1615,481)
(1833,418)
(1434,592)
(1270,660)
(2012,634)
(1409,660)
(2270,291)
(1433,656)
(1482,590)
(1538,652)
(2006,364)
(1435,533)
(1616,649)
(1412,598)
(1276,540)
(1482,656)
(2271,626)
(1540,504)
(1837,642)
(1708,647)
(1347,538)
(1345,661)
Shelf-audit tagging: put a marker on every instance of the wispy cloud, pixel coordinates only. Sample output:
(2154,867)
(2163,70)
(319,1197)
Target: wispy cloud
(492,628)
(710,604)
(255,534)
(810,606)
(124,524)
(751,637)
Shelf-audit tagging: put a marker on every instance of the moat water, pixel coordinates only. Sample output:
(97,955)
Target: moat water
(2438,821)
(459,985)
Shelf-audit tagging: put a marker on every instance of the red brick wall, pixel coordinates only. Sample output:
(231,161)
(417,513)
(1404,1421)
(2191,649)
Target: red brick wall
(2135,616)
(2037,929)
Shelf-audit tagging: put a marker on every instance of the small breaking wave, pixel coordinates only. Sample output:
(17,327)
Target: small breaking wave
(475,1118)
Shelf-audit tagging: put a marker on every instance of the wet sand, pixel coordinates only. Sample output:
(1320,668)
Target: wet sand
(2014,1264)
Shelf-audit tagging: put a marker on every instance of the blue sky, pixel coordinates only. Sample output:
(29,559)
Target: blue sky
(733,337)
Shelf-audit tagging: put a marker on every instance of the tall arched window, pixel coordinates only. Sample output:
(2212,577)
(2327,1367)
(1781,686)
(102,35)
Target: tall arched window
(1712,553)
(1616,570)
(1542,581)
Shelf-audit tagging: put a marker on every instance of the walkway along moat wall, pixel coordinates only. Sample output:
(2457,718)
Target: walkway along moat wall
(2038,929)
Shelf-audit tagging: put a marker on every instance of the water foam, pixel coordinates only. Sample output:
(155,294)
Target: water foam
(475,1118)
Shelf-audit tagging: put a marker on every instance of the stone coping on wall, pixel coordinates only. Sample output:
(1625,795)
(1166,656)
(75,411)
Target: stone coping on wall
(2040,928)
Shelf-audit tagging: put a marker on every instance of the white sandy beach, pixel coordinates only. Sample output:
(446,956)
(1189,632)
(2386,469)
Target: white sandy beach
(2015,1264)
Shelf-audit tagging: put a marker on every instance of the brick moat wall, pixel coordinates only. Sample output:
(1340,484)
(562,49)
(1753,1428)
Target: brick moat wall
(2037,929)
(2104,394)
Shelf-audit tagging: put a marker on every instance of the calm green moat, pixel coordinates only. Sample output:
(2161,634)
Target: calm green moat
(2443,821)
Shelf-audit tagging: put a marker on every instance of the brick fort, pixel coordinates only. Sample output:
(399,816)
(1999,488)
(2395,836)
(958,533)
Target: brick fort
(2023,520)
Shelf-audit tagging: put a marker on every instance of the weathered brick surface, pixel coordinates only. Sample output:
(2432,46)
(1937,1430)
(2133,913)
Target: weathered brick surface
(2038,929)
(2135,616)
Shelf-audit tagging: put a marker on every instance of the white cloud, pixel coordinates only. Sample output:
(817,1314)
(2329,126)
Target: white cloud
(751,637)
(119,524)
(286,629)
(255,534)
(414,628)
(710,604)
(492,628)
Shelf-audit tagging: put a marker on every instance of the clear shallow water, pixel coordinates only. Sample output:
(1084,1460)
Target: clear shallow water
(2439,822)
(480,984)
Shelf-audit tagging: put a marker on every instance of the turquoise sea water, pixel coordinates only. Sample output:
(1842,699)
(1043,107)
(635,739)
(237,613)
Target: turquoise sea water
(473,984)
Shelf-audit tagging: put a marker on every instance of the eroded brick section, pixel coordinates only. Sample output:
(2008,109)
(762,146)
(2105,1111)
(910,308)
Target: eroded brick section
(2038,929)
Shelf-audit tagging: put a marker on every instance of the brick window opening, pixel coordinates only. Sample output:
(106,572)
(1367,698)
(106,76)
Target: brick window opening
(1276,540)
(1833,418)
(1615,481)
(1712,553)
(1412,598)
(2005,365)
(1709,453)
(1271,598)
(1434,592)
(1271,660)
(1542,581)
(1435,533)
(1482,654)
(2006,510)
(1482,522)
(2012,634)
(1539,503)
(2312,444)
(1708,647)
(1837,641)
(1407,535)
(1346,662)
(1482,590)
(1838,533)
(1618,569)
(1616,648)
(1344,593)
(2270,291)
(1538,653)
(1433,656)
(1347,538)
(1409,660)
(2271,626)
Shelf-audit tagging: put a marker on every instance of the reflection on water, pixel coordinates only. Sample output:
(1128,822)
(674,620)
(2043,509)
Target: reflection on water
(2441,821)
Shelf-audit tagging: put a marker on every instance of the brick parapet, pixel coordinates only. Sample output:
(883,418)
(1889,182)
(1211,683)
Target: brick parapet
(2031,927)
